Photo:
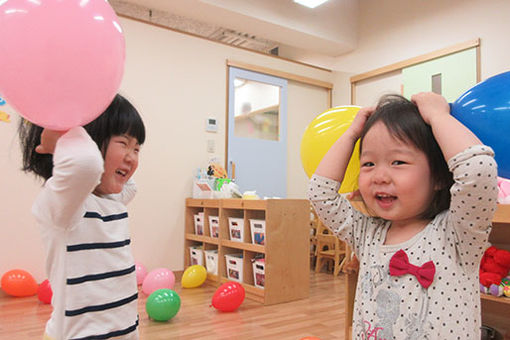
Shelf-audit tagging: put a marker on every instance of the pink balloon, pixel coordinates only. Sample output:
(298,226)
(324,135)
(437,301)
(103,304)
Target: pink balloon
(158,279)
(141,272)
(61,61)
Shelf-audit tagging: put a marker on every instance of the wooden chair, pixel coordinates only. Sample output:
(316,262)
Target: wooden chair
(329,247)
(314,222)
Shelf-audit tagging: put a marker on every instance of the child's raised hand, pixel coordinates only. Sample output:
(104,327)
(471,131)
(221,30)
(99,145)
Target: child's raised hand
(359,121)
(49,139)
(430,105)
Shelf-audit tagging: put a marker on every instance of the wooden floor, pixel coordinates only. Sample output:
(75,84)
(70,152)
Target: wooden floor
(321,315)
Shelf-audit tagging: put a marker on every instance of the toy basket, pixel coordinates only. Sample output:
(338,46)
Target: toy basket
(214,226)
(199,223)
(234,267)
(196,255)
(259,276)
(211,261)
(258,231)
(236,229)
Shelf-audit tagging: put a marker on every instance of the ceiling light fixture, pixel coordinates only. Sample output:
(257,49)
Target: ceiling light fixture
(310,3)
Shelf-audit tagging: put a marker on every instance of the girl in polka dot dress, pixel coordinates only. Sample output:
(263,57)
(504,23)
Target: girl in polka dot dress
(420,248)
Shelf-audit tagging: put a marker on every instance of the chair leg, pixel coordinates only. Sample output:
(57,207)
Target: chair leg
(342,264)
(337,265)
(318,264)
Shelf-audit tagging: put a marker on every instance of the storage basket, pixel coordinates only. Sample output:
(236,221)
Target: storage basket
(211,261)
(259,276)
(234,267)
(214,226)
(196,255)
(258,231)
(199,223)
(236,229)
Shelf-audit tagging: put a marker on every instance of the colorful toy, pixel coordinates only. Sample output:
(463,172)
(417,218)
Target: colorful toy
(62,61)
(141,272)
(321,134)
(506,291)
(194,276)
(158,279)
(494,267)
(228,297)
(503,190)
(217,171)
(163,304)
(484,110)
(19,283)
(44,292)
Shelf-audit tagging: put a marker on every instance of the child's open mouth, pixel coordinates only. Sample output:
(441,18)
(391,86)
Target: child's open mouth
(123,173)
(385,200)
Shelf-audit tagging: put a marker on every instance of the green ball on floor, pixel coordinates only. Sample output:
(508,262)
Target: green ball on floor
(163,304)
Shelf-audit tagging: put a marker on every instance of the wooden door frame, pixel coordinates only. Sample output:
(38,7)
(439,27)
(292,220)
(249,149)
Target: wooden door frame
(398,66)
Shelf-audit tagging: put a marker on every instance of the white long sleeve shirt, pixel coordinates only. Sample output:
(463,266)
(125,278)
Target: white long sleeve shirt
(88,256)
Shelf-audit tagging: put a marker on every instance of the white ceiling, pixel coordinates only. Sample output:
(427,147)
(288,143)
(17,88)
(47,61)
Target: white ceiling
(329,30)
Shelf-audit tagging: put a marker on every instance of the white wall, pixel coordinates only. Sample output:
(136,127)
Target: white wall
(176,81)
(395,30)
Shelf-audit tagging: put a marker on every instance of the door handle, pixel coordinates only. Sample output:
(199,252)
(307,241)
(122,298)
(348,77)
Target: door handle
(233,165)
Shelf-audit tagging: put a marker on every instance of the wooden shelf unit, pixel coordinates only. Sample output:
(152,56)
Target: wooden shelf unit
(286,244)
(495,310)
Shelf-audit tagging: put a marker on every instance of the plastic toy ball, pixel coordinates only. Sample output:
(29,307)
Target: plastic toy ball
(19,283)
(485,110)
(228,297)
(44,292)
(160,278)
(321,134)
(194,276)
(141,273)
(163,304)
(65,60)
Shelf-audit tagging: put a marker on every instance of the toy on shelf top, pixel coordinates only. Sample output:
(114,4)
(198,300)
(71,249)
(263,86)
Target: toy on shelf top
(495,271)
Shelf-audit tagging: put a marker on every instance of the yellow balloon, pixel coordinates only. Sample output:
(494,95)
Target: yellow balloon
(194,276)
(321,134)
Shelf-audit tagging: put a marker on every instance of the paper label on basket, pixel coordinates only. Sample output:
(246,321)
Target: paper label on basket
(204,186)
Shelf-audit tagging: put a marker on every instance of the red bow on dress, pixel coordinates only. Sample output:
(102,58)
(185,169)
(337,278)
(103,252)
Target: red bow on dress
(399,265)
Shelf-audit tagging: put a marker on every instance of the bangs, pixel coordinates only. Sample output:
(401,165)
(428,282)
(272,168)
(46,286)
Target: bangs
(128,123)
(120,118)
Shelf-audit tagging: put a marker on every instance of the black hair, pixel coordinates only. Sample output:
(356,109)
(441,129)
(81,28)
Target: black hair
(119,118)
(403,120)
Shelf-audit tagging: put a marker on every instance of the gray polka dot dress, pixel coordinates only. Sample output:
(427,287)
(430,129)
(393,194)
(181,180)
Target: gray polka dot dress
(398,307)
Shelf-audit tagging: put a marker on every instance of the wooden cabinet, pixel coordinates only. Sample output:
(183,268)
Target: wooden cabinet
(286,244)
(495,310)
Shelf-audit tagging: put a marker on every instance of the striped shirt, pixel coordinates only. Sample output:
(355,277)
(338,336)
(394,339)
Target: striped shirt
(88,255)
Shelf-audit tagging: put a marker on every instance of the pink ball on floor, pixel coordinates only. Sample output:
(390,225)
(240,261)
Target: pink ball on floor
(158,279)
(141,272)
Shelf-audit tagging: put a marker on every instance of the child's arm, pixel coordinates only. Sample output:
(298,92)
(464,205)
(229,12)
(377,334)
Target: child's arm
(334,163)
(334,210)
(450,134)
(77,169)
(474,192)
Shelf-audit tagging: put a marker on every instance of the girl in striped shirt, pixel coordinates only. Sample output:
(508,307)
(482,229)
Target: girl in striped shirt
(84,222)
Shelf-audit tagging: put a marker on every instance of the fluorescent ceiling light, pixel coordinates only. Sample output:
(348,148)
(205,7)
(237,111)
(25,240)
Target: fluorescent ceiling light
(310,3)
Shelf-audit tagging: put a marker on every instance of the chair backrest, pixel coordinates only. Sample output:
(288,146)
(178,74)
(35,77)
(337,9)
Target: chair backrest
(331,241)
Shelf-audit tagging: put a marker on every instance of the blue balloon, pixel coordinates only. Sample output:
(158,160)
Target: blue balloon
(485,110)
